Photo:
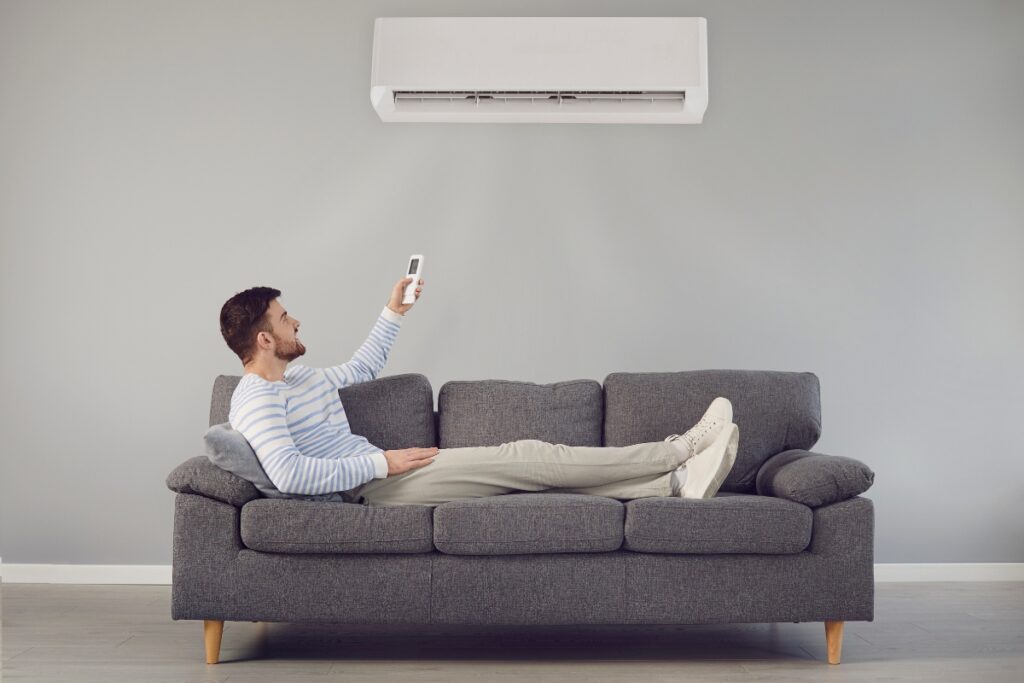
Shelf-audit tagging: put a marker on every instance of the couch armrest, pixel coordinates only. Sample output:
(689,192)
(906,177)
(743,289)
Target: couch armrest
(199,475)
(814,479)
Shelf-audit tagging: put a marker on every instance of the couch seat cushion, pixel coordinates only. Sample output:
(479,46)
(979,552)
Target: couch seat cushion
(278,525)
(526,523)
(727,523)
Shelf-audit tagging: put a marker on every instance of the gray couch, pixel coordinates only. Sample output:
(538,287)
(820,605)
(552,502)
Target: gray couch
(787,538)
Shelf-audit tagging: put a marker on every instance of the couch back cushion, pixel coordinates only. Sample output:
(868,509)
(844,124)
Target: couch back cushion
(775,411)
(494,411)
(392,412)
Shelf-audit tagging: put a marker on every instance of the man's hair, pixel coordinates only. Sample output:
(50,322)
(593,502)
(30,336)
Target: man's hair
(243,316)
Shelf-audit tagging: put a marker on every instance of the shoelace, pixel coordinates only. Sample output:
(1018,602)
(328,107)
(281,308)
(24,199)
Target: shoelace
(705,425)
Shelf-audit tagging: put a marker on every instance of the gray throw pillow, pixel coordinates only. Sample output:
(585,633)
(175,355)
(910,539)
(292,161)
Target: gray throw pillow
(814,479)
(229,450)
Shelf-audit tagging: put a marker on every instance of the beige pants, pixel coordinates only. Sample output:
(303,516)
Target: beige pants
(638,471)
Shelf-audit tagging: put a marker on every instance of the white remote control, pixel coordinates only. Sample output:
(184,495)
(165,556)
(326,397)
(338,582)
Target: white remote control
(415,270)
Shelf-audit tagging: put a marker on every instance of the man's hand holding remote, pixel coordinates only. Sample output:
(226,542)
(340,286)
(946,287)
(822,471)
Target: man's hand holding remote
(398,293)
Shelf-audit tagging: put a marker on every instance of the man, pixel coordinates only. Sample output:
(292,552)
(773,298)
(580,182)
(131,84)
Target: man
(294,420)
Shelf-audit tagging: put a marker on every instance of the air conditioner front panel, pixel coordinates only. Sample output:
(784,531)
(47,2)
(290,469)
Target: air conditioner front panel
(537,53)
(452,61)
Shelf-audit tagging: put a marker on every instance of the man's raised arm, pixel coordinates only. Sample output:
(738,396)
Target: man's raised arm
(260,417)
(369,359)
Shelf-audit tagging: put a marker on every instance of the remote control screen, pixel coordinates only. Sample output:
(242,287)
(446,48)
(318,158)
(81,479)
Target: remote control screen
(412,266)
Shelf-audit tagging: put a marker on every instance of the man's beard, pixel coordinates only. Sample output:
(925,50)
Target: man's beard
(289,352)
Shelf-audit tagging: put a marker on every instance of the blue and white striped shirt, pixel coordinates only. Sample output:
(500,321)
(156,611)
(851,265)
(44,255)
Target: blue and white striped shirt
(298,427)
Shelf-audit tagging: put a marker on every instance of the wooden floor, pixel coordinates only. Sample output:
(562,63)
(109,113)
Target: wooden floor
(922,632)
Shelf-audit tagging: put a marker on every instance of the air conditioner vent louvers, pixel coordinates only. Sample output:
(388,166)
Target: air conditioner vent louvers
(505,95)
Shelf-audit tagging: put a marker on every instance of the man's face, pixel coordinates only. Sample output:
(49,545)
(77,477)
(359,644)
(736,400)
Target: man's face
(287,346)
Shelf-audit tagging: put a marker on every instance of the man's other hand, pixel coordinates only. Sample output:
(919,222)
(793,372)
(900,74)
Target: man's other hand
(398,293)
(406,459)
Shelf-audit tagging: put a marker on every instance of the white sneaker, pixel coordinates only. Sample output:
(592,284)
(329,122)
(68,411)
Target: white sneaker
(702,434)
(706,471)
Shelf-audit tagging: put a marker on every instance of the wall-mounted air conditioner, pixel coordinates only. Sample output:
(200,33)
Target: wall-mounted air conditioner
(540,69)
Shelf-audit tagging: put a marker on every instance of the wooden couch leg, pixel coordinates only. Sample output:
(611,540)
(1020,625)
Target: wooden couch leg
(834,640)
(213,629)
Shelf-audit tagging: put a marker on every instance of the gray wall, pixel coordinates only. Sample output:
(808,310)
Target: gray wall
(851,206)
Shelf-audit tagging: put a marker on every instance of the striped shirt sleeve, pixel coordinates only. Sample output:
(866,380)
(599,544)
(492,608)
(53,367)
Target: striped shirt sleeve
(369,359)
(260,417)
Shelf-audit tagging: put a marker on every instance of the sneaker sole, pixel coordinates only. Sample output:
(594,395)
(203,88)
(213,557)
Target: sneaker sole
(709,487)
(727,462)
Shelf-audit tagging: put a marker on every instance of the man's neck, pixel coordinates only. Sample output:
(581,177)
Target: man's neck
(273,373)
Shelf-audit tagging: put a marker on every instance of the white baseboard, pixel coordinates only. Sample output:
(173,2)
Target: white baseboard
(160,574)
(86,573)
(950,571)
